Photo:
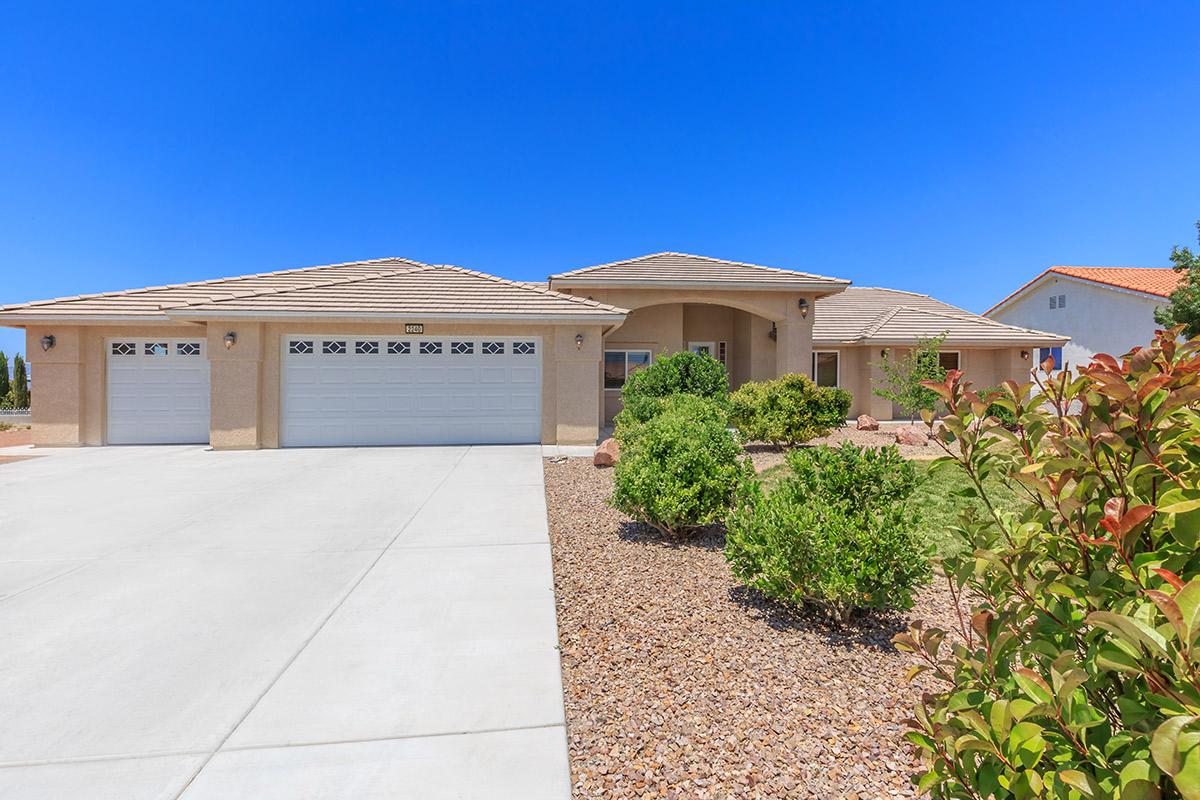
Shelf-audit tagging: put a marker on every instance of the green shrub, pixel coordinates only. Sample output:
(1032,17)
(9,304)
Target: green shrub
(788,411)
(1074,674)
(679,373)
(835,534)
(681,468)
(855,477)
(1000,410)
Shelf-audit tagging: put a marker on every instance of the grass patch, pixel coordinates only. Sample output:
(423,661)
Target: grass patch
(935,502)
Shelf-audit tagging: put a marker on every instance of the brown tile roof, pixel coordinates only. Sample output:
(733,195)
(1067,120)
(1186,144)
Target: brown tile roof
(674,269)
(867,315)
(389,286)
(1158,281)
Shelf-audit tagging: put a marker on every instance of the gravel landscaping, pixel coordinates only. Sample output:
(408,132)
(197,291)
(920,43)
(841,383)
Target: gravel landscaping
(681,684)
(765,456)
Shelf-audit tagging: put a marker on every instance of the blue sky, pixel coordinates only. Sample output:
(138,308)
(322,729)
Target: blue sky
(954,149)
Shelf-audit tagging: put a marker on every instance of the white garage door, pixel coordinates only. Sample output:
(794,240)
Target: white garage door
(371,390)
(157,391)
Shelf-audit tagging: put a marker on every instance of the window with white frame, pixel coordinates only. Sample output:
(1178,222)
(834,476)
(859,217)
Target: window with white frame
(948,360)
(826,367)
(1051,352)
(620,364)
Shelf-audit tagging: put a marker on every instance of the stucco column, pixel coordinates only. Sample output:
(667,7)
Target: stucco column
(236,377)
(793,345)
(577,373)
(877,407)
(57,401)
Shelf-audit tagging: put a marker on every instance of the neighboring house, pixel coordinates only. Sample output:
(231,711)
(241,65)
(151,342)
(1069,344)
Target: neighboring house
(393,351)
(1102,309)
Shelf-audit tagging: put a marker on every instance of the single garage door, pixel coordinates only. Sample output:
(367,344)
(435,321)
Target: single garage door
(157,391)
(372,390)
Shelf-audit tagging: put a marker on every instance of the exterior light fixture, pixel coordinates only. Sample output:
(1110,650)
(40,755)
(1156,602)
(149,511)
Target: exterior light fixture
(1024,355)
(47,342)
(774,334)
(803,308)
(230,340)
(579,341)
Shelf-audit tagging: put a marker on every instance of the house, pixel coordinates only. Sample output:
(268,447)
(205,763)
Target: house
(1101,309)
(394,351)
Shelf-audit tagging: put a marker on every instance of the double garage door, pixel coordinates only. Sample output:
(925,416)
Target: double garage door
(373,390)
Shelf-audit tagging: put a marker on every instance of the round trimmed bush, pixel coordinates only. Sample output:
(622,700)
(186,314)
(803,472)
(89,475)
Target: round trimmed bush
(681,468)
(835,534)
(679,373)
(789,410)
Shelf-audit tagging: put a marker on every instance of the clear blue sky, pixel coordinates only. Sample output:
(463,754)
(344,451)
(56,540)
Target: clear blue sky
(955,149)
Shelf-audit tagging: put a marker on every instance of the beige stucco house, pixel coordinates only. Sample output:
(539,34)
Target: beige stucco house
(394,351)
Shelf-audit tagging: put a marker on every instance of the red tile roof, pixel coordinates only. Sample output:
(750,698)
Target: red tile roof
(1160,281)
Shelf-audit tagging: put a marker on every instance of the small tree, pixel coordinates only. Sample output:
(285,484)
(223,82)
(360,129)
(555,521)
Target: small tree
(20,383)
(1185,300)
(903,377)
(5,384)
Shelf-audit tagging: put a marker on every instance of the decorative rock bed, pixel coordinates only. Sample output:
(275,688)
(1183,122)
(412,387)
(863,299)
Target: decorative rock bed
(679,683)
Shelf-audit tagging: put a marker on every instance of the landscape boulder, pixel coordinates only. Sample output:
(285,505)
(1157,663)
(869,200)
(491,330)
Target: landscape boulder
(607,453)
(912,435)
(867,423)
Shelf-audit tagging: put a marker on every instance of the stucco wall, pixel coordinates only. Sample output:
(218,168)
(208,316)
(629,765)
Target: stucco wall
(69,404)
(860,373)
(1098,319)
(70,395)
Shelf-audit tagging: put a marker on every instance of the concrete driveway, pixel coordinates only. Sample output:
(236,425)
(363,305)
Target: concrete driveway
(345,623)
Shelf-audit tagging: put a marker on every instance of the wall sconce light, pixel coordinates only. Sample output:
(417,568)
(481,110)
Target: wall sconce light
(774,334)
(47,342)
(230,340)
(803,308)
(884,353)
(1024,355)
(579,341)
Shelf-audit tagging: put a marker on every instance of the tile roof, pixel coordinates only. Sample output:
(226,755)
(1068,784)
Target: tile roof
(685,269)
(1158,281)
(867,315)
(388,286)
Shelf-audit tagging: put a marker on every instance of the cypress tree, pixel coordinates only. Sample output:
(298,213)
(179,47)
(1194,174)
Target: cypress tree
(5,384)
(20,383)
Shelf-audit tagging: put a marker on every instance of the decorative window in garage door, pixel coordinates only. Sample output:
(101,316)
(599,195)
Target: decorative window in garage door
(462,348)
(399,348)
(333,348)
(156,349)
(431,348)
(124,349)
(493,348)
(300,348)
(366,348)
(523,348)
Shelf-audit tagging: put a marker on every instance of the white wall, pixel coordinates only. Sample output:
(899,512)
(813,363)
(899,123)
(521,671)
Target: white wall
(1098,319)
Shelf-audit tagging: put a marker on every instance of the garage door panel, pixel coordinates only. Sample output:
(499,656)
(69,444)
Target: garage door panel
(157,391)
(412,390)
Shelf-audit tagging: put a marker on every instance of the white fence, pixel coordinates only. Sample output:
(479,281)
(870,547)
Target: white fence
(15,416)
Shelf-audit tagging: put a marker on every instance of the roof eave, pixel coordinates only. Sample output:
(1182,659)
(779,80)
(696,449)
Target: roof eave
(832,286)
(14,320)
(484,316)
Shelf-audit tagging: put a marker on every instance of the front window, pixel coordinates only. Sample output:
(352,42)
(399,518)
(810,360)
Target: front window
(825,368)
(620,364)
(948,361)
(1051,352)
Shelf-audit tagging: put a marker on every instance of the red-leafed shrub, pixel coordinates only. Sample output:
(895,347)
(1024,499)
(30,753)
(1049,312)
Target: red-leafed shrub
(1076,674)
